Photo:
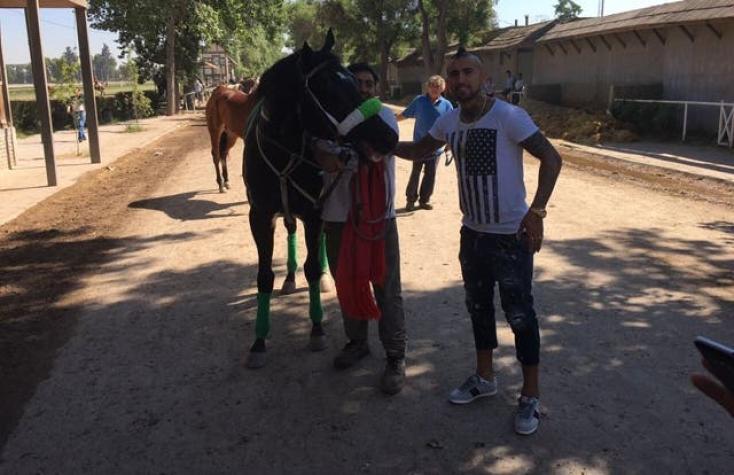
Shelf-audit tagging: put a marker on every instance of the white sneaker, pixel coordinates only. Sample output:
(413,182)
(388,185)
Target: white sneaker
(527,417)
(474,387)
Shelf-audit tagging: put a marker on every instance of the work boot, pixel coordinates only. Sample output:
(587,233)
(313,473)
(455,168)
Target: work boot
(426,206)
(354,351)
(393,379)
(410,206)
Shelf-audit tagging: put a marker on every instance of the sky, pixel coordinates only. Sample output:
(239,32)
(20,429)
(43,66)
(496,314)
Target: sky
(58,26)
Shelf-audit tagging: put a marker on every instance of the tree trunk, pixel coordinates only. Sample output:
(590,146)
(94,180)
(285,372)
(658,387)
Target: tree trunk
(426,40)
(384,59)
(171,92)
(441,40)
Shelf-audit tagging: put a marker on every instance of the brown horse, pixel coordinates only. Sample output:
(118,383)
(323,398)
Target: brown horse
(227,112)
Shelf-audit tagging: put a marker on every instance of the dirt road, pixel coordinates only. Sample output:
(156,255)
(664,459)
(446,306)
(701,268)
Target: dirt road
(146,314)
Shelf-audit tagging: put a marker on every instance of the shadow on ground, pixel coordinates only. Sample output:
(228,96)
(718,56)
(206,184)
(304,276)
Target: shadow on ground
(187,206)
(156,381)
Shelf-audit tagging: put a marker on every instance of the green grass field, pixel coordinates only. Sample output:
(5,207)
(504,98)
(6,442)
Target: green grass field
(26,93)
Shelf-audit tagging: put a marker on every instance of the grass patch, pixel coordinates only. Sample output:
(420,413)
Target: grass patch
(132,128)
(27,93)
(21,134)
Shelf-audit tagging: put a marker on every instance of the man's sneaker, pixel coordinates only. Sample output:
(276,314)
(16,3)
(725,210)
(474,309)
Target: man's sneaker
(410,206)
(473,388)
(528,415)
(426,206)
(351,354)
(393,379)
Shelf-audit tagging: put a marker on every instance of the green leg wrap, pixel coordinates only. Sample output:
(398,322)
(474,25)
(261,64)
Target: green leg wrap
(315,311)
(262,323)
(292,253)
(323,260)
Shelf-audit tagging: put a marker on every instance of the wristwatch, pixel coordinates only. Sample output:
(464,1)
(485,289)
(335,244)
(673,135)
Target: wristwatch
(540,212)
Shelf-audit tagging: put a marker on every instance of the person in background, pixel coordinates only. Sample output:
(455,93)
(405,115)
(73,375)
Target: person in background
(79,113)
(509,84)
(199,91)
(488,86)
(518,90)
(425,109)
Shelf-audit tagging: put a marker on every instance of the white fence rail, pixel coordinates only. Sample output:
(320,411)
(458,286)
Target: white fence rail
(726,116)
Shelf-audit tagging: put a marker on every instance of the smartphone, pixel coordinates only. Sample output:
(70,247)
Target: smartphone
(720,358)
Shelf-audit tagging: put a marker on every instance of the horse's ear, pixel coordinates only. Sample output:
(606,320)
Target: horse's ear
(329,42)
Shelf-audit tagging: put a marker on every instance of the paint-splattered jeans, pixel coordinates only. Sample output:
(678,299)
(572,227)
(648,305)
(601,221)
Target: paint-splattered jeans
(487,259)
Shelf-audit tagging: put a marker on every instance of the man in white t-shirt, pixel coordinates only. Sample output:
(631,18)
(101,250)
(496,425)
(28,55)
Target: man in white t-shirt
(388,295)
(500,233)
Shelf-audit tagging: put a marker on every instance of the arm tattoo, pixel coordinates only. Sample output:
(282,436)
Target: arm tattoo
(538,146)
(550,166)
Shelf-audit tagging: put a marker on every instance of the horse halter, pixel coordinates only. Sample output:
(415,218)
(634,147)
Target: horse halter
(364,111)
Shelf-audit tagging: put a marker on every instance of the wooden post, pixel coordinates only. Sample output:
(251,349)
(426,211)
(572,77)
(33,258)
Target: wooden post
(4,80)
(90,102)
(7,112)
(38,65)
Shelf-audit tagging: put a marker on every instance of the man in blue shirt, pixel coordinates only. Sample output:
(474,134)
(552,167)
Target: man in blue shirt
(425,109)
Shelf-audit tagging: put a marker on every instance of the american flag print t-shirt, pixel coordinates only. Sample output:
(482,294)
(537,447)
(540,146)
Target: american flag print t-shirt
(489,167)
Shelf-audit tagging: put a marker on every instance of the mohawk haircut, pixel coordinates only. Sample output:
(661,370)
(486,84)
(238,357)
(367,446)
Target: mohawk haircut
(463,53)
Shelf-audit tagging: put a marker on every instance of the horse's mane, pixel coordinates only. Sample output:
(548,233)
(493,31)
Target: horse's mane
(281,84)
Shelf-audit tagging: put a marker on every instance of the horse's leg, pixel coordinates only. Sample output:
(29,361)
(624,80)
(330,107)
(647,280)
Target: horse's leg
(221,157)
(325,280)
(289,284)
(312,268)
(215,159)
(261,226)
(230,141)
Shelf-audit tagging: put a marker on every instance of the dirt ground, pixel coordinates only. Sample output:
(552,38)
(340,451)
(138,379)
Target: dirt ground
(128,306)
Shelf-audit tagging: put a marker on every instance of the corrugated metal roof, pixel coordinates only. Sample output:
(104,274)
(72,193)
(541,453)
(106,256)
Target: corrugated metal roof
(688,11)
(513,36)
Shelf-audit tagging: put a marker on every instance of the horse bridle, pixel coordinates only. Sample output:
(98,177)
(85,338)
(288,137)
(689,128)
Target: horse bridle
(295,160)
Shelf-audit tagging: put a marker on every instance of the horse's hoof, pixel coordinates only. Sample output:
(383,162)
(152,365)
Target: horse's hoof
(255,360)
(226,185)
(289,287)
(317,339)
(222,190)
(325,283)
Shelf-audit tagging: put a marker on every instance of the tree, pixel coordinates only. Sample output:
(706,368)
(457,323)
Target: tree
(309,20)
(256,52)
(173,36)
(443,19)
(567,10)
(381,25)
(141,106)
(68,78)
(468,18)
(104,64)
(69,55)
(19,74)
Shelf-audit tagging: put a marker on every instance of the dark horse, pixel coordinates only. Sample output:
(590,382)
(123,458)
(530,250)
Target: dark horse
(307,94)
(227,114)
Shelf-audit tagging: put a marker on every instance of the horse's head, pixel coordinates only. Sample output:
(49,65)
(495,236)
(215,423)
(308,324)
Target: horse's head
(332,106)
(326,98)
